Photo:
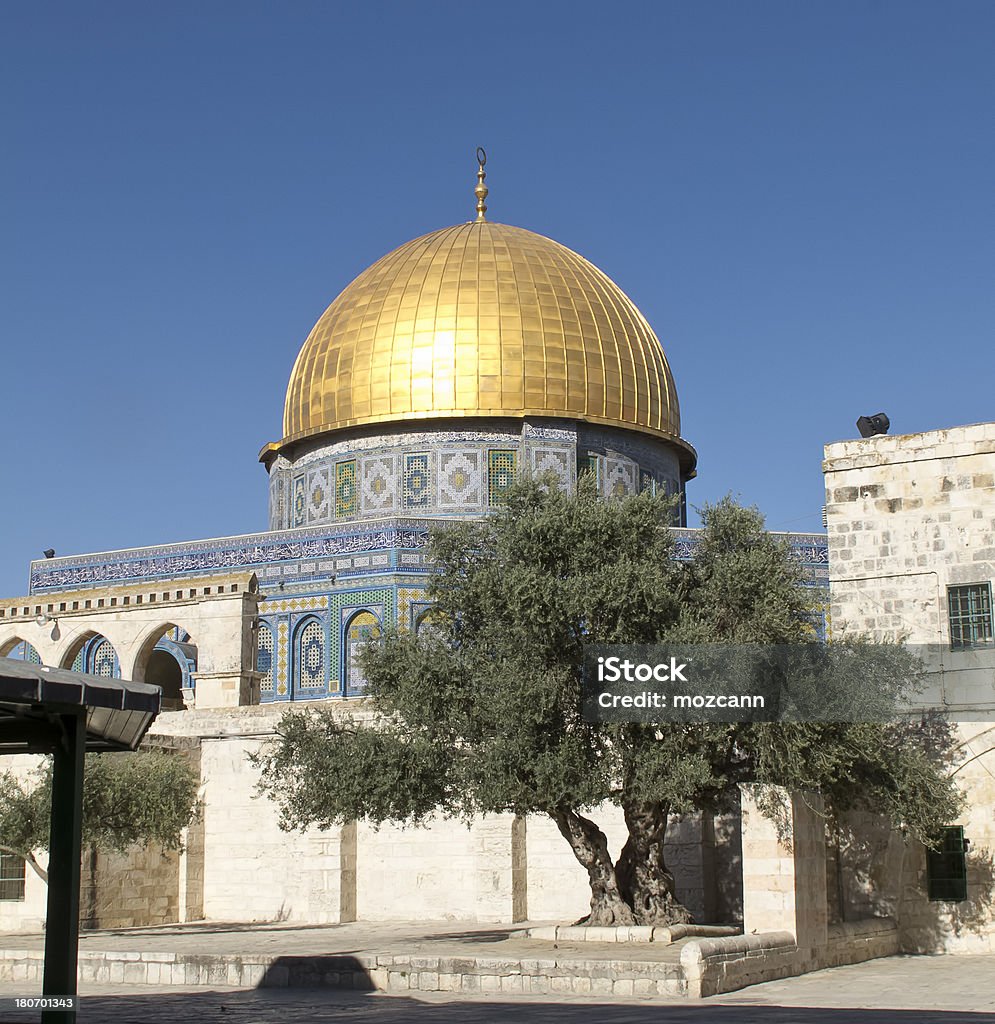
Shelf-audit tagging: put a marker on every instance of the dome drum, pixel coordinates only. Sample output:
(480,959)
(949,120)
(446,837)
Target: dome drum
(454,468)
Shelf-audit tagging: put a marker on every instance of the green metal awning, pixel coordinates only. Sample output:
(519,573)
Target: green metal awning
(118,713)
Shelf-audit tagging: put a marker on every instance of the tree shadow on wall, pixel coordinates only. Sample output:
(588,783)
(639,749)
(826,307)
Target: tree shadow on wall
(884,875)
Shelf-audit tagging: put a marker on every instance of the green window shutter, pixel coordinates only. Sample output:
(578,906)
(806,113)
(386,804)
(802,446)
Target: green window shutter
(946,868)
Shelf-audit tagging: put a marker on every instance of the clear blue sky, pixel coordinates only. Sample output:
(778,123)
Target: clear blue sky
(797,195)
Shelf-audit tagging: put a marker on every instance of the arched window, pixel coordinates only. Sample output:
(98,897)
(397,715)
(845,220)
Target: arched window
(264,660)
(361,628)
(97,657)
(423,623)
(23,651)
(309,655)
(103,660)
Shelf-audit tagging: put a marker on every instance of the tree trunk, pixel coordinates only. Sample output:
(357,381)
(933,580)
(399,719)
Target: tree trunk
(590,847)
(643,879)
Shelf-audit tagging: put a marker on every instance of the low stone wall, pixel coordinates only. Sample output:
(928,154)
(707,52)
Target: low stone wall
(712,966)
(719,965)
(385,973)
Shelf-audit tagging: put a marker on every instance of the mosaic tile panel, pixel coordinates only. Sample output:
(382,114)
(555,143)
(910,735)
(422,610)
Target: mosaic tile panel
(417,489)
(319,495)
(265,664)
(553,461)
(359,630)
(460,480)
(98,658)
(309,655)
(277,501)
(379,483)
(342,606)
(500,474)
(282,658)
(346,491)
(406,597)
(646,481)
(300,501)
(293,604)
(620,478)
(102,659)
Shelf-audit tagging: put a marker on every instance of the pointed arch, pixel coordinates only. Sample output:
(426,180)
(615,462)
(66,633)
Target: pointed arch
(167,658)
(94,654)
(266,660)
(20,650)
(310,657)
(362,627)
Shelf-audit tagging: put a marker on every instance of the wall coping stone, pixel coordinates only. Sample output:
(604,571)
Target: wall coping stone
(665,934)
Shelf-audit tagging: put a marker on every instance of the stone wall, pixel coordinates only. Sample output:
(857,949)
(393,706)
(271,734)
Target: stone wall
(128,890)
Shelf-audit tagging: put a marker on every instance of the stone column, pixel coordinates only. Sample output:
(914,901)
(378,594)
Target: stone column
(784,869)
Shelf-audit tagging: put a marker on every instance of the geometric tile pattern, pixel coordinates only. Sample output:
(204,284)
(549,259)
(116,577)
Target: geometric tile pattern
(361,628)
(282,686)
(342,606)
(293,604)
(554,461)
(500,474)
(405,595)
(416,480)
(460,483)
(421,616)
(646,481)
(277,501)
(97,657)
(620,478)
(346,492)
(103,660)
(309,655)
(379,483)
(264,659)
(300,502)
(319,495)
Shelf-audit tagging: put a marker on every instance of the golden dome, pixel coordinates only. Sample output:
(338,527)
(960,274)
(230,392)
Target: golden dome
(481,319)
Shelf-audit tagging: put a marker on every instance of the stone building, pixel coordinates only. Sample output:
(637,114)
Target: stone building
(911,524)
(451,365)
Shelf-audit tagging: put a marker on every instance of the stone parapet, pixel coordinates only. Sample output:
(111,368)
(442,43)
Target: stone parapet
(384,973)
(719,965)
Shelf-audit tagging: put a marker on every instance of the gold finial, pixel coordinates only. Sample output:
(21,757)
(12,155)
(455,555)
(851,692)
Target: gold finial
(481,190)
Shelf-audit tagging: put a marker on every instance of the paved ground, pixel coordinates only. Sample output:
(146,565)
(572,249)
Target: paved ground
(898,990)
